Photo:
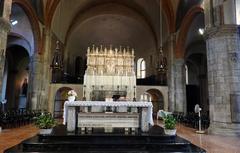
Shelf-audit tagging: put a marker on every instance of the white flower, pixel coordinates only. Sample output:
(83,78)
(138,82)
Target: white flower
(72,93)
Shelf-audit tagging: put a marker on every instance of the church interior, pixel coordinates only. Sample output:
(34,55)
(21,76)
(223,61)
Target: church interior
(176,56)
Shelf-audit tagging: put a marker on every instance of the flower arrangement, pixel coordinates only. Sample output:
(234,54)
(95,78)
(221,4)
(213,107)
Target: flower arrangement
(72,93)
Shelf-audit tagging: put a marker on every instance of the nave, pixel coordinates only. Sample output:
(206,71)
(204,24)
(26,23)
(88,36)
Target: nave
(211,143)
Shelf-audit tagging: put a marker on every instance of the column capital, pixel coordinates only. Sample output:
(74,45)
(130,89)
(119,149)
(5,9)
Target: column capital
(219,31)
(4,24)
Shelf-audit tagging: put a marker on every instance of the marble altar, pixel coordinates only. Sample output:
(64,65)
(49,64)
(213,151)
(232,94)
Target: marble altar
(70,114)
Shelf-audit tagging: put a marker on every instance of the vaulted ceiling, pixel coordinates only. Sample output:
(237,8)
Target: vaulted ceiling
(135,23)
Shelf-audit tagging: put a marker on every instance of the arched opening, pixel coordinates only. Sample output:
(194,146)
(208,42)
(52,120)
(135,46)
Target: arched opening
(196,63)
(79,69)
(196,88)
(157,100)
(20,47)
(141,68)
(16,77)
(60,98)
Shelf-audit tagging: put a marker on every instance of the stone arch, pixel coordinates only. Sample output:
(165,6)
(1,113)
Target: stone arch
(53,88)
(170,16)
(15,72)
(26,5)
(16,39)
(51,7)
(186,23)
(157,99)
(60,98)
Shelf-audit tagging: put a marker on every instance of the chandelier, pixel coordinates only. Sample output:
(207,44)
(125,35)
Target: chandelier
(162,60)
(57,62)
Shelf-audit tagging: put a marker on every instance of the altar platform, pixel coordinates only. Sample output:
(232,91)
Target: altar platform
(61,141)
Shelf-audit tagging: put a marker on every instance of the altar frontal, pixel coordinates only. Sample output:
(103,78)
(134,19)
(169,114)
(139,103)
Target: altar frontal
(74,119)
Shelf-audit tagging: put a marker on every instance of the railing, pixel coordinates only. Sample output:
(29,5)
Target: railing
(17,118)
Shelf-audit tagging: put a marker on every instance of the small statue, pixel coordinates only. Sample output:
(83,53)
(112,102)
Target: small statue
(24,87)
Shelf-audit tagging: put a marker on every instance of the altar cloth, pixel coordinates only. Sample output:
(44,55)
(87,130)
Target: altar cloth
(147,105)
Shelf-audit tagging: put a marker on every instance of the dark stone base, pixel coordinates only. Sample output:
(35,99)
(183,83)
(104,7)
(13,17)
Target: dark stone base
(99,142)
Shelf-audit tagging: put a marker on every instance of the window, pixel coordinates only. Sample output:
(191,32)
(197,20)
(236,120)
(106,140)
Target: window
(141,68)
(237,11)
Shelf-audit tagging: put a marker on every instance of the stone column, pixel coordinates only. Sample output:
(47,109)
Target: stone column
(4,29)
(35,82)
(46,71)
(171,86)
(180,86)
(223,58)
(40,76)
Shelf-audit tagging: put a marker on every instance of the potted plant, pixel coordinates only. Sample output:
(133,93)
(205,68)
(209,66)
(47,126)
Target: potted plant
(45,122)
(169,124)
(72,95)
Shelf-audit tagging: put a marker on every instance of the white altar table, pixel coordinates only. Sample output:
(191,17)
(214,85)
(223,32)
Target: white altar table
(70,116)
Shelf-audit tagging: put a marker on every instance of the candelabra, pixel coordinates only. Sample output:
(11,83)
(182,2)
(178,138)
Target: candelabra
(84,93)
(134,94)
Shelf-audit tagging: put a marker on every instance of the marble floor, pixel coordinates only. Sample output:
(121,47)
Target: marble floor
(211,143)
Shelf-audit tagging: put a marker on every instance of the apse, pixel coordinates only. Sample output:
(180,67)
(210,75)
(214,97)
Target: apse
(110,24)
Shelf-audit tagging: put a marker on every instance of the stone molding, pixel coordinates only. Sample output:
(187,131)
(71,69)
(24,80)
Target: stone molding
(5,25)
(221,31)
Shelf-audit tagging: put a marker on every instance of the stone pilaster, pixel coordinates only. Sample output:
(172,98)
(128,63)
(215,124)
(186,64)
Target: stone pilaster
(46,71)
(40,76)
(35,82)
(171,86)
(6,12)
(180,86)
(4,29)
(223,59)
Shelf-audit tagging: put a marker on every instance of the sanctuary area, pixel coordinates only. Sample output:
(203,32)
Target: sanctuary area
(114,73)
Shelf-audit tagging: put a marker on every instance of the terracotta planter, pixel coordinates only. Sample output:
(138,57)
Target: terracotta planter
(71,98)
(45,131)
(170,132)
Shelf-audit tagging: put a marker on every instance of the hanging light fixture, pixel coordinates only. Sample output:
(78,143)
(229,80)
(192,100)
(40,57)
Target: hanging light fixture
(57,58)
(162,60)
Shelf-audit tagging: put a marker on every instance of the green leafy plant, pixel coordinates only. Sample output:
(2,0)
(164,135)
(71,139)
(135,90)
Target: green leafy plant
(45,121)
(169,122)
